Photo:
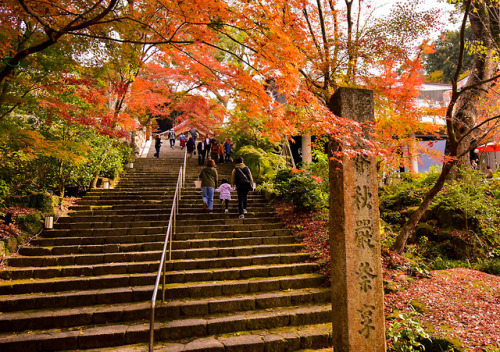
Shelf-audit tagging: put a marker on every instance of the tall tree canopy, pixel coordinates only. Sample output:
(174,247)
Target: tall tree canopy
(441,64)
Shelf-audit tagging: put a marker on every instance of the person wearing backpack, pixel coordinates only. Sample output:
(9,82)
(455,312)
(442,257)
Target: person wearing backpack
(241,178)
(171,138)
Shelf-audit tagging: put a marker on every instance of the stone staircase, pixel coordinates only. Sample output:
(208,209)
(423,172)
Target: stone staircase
(232,285)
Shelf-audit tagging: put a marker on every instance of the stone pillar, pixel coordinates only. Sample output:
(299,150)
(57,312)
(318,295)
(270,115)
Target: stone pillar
(357,289)
(306,148)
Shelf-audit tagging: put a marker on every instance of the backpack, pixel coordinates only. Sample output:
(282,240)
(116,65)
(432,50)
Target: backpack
(242,176)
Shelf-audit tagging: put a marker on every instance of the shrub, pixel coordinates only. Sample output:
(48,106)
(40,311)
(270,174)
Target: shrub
(302,188)
(262,163)
(29,224)
(406,334)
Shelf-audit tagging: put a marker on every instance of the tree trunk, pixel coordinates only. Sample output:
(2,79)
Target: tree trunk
(408,227)
(484,25)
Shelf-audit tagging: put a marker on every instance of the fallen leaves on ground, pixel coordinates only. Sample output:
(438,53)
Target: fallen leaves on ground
(462,303)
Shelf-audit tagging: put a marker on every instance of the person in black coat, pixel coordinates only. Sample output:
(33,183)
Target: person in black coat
(201,152)
(190,146)
(157,146)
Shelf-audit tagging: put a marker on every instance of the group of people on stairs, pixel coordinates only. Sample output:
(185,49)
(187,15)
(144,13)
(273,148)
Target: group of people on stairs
(207,147)
(241,180)
(214,152)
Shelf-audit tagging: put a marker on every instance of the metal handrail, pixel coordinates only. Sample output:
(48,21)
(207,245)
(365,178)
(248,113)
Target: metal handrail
(184,172)
(168,242)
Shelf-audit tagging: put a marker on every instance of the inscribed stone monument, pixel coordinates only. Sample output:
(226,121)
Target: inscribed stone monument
(357,291)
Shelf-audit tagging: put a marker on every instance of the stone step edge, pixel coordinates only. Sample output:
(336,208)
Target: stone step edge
(292,338)
(119,334)
(194,234)
(175,264)
(16,285)
(175,243)
(139,293)
(139,253)
(172,309)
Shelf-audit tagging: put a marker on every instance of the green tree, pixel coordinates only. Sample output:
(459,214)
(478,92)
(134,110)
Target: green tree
(442,64)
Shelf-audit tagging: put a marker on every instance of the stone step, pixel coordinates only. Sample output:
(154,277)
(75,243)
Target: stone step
(164,202)
(69,299)
(59,284)
(148,230)
(99,336)
(173,309)
(41,250)
(283,339)
(69,245)
(23,273)
(134,256)
(159,207)
(155,217)
(160,236)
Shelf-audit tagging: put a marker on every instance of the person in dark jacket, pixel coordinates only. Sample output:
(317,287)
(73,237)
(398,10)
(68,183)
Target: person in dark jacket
(209,179)
(201,152)
(228,148)
(241,178)
(214,150)
(157,146)
(208,144)
(190,147)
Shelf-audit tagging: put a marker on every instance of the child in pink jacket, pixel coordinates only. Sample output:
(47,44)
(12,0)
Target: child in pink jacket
(225,192)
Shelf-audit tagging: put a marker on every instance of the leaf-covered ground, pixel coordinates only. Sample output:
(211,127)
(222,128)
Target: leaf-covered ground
(460,303)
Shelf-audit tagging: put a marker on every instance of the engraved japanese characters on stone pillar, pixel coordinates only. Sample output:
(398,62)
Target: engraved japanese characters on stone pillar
(357,291)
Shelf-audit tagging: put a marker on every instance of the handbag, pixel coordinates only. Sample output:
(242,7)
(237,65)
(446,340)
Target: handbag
(197,183)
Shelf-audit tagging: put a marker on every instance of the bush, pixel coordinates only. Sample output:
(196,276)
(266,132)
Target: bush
(406,334)
(4,192)
(263,164)
(30,224)
(302,188)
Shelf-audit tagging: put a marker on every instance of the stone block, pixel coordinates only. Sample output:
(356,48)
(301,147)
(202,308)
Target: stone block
(194,308)
(102,336)
(274,343)
(272,300)
(267,321)
(232,305)
(184,328)
(226,325)
(209,344)
(61,341)
(280,271)
(314,340)
(254,272)
(234,288)
(247,343)
(139,333)
(229,274)
(269,285)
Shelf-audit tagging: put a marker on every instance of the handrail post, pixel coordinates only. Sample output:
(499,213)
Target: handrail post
(163,288)
(152,328)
